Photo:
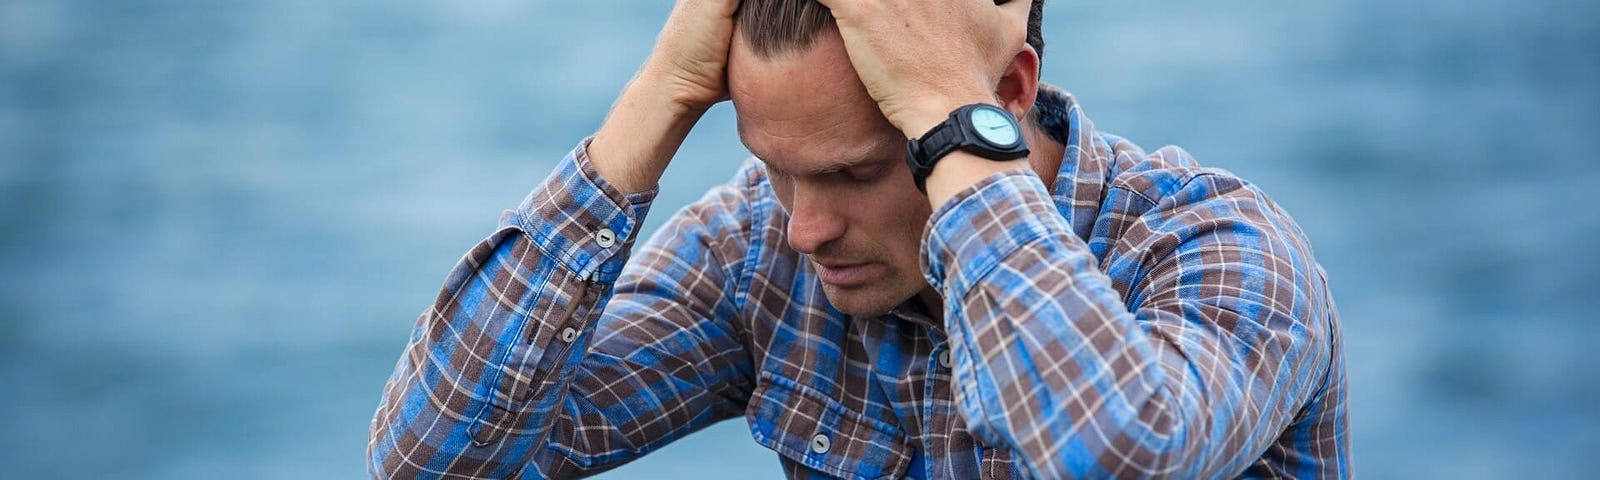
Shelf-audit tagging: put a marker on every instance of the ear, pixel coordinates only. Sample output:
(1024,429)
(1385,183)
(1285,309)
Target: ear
(1019,83)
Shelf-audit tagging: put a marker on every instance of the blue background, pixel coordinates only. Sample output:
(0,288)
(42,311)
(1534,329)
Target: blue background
(219,220)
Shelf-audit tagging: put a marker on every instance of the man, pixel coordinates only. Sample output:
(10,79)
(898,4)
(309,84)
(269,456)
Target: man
(908,282)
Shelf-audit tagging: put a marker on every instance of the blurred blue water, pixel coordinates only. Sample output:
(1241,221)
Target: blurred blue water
(221,218)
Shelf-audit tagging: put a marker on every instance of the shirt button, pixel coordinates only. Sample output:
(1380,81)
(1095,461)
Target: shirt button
(820,443)
(569,334)
(944,359)
(605,237)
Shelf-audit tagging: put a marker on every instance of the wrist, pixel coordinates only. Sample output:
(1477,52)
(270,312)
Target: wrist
(682,96)
(918,120)
(960,170)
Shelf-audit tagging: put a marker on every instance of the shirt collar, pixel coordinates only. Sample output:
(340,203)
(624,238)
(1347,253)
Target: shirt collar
(1086,165)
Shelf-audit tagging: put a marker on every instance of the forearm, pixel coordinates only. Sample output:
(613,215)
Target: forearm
(481,379)
(641,134)
(488,366)
(684,76)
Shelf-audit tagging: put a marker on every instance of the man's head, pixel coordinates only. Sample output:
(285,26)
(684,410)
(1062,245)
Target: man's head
(836,164)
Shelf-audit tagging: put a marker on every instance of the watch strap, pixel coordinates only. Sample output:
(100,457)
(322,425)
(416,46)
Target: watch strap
(956,133)
(943,139)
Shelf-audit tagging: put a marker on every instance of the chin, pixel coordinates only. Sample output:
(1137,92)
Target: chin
(863,302)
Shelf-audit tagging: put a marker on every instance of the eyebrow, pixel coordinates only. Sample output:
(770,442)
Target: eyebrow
(852,161)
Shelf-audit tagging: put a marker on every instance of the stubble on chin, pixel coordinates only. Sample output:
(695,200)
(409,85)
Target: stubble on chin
(865,301)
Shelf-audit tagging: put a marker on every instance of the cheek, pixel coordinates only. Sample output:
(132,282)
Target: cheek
(784,189)
(898,191)
(899,212)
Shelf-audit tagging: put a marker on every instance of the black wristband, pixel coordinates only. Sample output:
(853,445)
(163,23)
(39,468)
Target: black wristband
(999,137)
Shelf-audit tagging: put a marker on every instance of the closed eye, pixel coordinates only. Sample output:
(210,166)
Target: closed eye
(869,174)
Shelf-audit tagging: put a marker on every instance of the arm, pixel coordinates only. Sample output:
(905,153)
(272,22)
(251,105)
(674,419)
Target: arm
(666,358)
(490,383)
(1221,342)
(525,365)
(1215,350)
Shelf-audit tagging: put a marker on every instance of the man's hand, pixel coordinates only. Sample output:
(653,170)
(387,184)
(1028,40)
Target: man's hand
(685,75)
(690,60)
(921,59)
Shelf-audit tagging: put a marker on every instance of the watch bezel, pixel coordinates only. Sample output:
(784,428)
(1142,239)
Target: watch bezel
(958,132)
(971,127)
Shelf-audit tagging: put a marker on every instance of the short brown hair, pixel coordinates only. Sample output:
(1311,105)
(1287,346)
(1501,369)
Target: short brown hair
(775,27)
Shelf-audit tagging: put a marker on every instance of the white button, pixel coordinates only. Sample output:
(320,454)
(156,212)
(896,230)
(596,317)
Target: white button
(820,443)
(944,358)
(605,237)
(569,334)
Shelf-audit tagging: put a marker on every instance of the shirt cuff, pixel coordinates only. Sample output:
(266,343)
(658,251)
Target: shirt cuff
(581,221)
(979,227)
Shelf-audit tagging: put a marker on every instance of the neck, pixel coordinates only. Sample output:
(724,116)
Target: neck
(934,302)
(1044,153)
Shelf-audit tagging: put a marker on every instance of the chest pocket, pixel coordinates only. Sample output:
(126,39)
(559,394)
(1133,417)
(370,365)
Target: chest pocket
(815,430)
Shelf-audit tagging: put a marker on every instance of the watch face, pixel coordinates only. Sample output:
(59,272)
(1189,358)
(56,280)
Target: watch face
(995,126)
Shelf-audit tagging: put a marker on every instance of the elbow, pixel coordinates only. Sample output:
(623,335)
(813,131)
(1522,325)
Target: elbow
(383,462)
(1160,441)
(376,466)
(1151,439)
(387,467)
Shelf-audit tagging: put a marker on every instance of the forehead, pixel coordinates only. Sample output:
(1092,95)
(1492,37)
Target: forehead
(807,110)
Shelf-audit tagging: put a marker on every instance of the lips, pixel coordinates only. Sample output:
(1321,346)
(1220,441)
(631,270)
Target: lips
(842,274)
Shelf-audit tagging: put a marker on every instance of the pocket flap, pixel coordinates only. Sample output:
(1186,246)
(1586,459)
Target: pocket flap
(808,427)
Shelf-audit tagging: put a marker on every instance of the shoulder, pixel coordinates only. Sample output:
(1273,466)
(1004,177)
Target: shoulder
(1166,210)
(1170,183)
(1165,176)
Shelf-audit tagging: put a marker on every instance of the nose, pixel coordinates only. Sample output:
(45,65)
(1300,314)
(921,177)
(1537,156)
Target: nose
(813,221)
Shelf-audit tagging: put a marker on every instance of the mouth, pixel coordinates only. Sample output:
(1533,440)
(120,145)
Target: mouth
(842,274)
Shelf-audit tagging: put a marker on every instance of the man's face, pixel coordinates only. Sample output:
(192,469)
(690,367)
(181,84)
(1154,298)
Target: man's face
(838,167)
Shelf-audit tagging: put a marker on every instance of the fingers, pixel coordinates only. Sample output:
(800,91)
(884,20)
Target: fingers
(1015,5)
(728,7)
(1018,10)
(721,9)
(1014,15)
(1016,18)
(1006,19)
(835,5)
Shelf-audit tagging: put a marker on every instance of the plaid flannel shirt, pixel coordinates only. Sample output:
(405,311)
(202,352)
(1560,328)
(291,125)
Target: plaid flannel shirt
(1141,317)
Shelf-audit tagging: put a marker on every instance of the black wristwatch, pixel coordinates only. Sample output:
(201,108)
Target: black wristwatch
(981,129)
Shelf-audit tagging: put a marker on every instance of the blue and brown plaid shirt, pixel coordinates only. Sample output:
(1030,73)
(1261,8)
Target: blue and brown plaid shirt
(1137,316)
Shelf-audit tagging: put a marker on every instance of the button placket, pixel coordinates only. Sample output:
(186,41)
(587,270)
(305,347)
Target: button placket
(937,407)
